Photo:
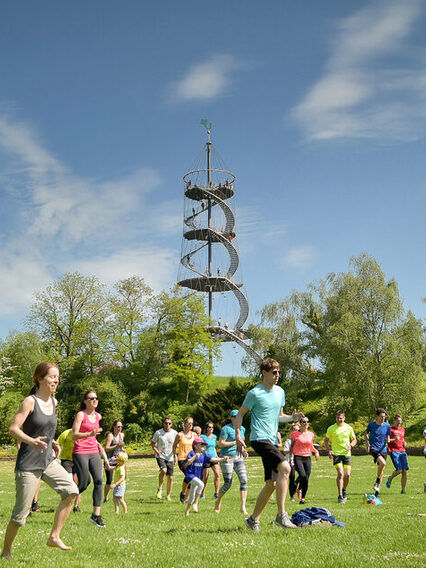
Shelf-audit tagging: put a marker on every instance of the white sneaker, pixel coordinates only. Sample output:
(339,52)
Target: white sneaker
(284,522)
(252,524)
(376,487)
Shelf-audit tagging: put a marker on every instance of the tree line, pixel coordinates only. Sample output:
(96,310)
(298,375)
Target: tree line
(346,342)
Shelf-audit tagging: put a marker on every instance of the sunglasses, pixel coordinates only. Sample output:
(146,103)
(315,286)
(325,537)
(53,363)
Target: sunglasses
(92,398)
(304,422)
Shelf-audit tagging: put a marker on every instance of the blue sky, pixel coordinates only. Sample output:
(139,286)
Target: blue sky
(318,108)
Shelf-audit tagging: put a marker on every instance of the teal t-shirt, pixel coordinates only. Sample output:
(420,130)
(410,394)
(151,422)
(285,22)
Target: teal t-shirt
(265,406)
(211,445)
(228,434)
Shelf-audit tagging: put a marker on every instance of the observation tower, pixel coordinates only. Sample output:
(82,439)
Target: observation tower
(210,260)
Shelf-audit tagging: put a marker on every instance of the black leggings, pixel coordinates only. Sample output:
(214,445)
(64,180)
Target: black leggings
(302,465)
(291,482)
(87,465)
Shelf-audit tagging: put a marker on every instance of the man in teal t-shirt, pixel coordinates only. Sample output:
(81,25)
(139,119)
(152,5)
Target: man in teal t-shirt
(266,401)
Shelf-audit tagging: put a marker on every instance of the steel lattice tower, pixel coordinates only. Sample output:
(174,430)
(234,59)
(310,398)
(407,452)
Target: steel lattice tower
(209,258)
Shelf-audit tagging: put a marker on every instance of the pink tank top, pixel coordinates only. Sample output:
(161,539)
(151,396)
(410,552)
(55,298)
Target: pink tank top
(87,445)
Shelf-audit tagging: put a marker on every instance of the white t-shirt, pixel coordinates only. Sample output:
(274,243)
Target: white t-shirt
(164,441)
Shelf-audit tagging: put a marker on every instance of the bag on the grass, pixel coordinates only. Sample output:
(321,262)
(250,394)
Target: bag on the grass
(370,499)
(314,515)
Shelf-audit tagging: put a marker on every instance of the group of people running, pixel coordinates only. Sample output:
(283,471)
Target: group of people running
(67,464)
(34,427)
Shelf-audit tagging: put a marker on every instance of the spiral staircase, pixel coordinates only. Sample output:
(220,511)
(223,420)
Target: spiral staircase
(209,223)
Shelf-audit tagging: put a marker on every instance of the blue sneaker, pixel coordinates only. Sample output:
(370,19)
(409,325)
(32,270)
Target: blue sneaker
(388,482)
(402,491)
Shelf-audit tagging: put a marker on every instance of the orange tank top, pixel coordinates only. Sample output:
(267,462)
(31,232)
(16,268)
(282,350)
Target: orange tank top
(185,444)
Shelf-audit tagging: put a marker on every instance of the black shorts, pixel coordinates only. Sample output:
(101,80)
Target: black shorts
(169,465)
(271,457)
(68,465)
(376,454)
(344,460)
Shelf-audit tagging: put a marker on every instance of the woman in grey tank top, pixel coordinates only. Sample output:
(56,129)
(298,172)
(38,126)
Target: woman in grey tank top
(34,426)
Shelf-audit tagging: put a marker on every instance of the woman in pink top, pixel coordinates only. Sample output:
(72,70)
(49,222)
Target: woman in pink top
(87,450)
(302,448)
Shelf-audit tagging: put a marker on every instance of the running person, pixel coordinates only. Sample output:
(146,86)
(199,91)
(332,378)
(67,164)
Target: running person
(266,401)
(228,447)
(396,449)
(184,441)
(113,446)
(376,437)
(162,444)
(34,427)
(210,439)
(86,452)
(342,438)
(194,466)
(302,448)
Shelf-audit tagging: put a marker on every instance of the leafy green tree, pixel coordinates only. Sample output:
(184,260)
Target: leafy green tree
(182,343)
(351,334)
(69,315)
(25,350)
(129,309)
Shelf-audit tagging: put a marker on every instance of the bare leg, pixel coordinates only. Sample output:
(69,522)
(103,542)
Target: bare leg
(218,502)
(381,464)
(282,485)
(263,498)
(216,478)
(123,504)
(161,478)
(9,537)
(169,485)
(346,478)
(61,516)
(116,504)
(404,479)
(339,480)
(243,495)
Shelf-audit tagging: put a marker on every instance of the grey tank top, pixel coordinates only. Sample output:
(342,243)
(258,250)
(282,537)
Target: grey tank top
(114,441)
(37,424)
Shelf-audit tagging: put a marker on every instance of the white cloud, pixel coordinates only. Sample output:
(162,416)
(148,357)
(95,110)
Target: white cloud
(59,222)
(157,265)
(205,81)
(360,94)
(300,257)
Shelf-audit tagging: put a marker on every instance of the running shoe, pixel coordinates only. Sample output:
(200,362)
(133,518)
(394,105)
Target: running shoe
(168,498)
(301,502)
(252,524)
(35,508)
(340,499)
(402,491)
(215,495)
(76,509)
(284,522)
(202,497)
(97,520)
(182,497)
(159,494)
(376,487)
(388,482)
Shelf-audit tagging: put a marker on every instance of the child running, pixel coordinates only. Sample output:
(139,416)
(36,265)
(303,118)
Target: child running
(195,463)
(119,482)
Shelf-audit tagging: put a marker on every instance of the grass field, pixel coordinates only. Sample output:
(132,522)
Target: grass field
(157,534)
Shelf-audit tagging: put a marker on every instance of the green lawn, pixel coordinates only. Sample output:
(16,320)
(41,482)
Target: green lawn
(157,534)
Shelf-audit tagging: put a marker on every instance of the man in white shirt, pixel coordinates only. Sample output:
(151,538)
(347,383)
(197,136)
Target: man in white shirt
(162,444)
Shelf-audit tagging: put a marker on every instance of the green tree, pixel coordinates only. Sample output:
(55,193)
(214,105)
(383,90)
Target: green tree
(69,315)
(175,349)
(25,350)
(129,309)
